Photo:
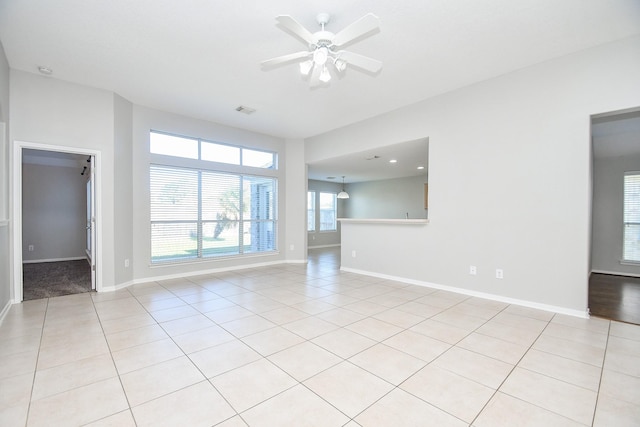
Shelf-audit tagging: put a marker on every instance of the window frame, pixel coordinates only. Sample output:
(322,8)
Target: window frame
(311,211)
(245,224)
(201,141)
(335,212)
(630,207)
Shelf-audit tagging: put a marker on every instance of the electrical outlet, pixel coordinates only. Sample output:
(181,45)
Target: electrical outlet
(499,273)
(291,247)
(31,248)
(472,270)
(126,263)
(353,254)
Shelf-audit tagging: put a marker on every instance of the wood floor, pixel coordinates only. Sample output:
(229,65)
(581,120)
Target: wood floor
(615,297)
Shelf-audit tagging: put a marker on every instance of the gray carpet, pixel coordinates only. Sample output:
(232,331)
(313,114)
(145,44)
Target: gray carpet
(52,279)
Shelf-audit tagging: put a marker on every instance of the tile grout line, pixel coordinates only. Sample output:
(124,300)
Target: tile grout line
(604,358)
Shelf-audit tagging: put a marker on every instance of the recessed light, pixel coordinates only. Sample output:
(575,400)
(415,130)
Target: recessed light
(45,70)
(420,167)
(393,161)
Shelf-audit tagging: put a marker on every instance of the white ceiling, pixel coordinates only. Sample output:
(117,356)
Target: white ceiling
(201,58)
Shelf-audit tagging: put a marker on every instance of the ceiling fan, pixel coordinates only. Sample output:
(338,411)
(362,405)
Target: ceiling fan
(324,53)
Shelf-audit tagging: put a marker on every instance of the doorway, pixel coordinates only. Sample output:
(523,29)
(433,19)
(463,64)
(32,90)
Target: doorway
(55,227)
(614,283)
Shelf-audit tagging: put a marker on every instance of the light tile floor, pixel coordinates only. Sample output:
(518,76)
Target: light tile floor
(296,345)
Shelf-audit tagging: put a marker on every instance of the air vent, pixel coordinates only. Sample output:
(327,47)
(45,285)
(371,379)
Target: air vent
(245,110)
(372,157)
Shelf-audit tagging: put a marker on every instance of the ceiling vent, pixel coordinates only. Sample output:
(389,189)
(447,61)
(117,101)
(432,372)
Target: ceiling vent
(245,110)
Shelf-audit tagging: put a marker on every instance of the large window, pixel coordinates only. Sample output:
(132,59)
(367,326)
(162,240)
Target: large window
(311,211)
(200,212)
(631,246)
(194,148)
(328,212)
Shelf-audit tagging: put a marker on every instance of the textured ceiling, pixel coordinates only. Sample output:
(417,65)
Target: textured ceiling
(202,58)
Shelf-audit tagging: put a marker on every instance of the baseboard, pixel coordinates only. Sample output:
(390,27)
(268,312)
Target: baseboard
(324,246)
(117,287)
(493,297)
(296,261)
(4,311)
(190,274)
(37,261)
(615,273)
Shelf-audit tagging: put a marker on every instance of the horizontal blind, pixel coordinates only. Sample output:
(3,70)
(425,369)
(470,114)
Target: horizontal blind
(174,213)
(631,246)
(202,213)
(311,211)
(328,212)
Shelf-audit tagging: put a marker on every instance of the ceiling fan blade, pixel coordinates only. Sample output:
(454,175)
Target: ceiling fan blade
(361,61)
(284,59)
(296,28)
(362,26)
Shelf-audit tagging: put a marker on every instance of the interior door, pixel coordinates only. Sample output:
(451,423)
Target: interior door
(91,222)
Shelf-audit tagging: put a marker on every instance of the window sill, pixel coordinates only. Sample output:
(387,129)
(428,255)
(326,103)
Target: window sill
(384,221)
(628,262)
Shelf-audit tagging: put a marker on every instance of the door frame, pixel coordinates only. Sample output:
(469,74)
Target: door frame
(18,146)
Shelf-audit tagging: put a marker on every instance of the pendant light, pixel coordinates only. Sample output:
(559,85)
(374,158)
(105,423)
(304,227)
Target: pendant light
(343,194)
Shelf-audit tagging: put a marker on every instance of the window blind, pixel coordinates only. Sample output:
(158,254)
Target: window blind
(631,245)
(328,212)
(201,214)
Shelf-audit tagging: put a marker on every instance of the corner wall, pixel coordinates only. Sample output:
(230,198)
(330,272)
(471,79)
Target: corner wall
(54,205)
(146,119)
(608,200)
(5,241)
(123,190)
(389,198)
(53,112)
(319,238)
(509,178)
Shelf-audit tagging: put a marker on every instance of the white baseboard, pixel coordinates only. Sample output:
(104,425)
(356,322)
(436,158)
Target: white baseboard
(190,274)
(324,246)
(524,303)
(37,261)
(615,273)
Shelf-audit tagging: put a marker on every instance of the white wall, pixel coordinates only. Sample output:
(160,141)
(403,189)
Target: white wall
(5,276)
(144,120)
(608,179)
(49,111)
(4,146)
(509,178)
(390,198)
(295,226)
(123,190)
(325,238)
(54,206)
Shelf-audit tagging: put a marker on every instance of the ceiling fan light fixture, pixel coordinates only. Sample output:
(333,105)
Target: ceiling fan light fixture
(320,55)
(305,67)
(324,46)
(325,76)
